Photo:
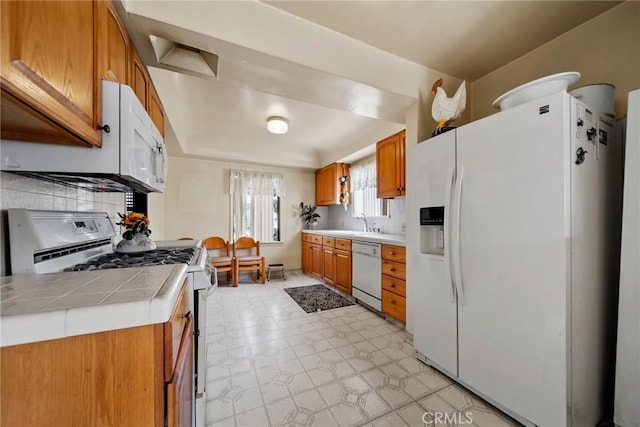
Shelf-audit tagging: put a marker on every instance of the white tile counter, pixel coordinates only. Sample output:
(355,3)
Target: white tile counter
(385,239)
(57,305)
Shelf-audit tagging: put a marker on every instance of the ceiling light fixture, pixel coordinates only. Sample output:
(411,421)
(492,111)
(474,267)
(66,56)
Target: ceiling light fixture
(277,125)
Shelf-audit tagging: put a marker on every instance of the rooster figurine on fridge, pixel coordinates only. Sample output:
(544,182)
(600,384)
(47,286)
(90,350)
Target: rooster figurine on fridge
(444,109)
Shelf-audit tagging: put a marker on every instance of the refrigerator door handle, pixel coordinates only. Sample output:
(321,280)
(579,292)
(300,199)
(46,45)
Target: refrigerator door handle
(449,190)
(455,249)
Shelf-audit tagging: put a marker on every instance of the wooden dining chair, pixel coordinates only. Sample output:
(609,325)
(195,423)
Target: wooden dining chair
(220,255)
(247,258)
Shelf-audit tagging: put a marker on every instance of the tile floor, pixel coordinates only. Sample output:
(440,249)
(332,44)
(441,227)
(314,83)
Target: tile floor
(272,364)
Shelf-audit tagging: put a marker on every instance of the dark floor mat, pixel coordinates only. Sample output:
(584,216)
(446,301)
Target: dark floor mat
(317,297)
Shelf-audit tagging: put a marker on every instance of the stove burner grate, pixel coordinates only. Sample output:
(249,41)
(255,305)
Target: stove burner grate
(142,259)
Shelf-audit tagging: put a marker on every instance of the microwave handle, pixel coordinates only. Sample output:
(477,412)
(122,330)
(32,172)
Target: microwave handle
(161,152)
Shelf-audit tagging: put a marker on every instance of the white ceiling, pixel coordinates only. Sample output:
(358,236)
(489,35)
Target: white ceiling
(259,73)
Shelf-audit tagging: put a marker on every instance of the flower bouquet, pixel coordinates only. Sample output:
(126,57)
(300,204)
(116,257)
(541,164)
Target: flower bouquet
(136,237)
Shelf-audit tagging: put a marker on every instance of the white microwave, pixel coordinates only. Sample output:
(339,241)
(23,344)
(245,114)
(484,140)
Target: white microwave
(133,154)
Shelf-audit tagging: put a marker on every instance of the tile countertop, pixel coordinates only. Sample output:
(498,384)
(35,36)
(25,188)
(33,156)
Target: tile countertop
(57,305)
(385,239)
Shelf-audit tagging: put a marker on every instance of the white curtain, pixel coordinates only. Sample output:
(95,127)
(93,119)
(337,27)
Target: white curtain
(363,188)
(252,203)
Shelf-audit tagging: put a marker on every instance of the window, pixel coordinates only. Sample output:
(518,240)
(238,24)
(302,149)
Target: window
(136,202)
(255,205)
(364,191)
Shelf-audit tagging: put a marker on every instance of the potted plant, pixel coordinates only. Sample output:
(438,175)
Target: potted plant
(309,215)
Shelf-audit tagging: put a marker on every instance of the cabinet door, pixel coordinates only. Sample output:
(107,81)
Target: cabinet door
(402,142)
(343,271)
(328,184)
(49,64)
(306,257)
(139,78)
(154,107)
(114,49)
(328,264)
(316,260)
(387,170)
(325,186)
(319,187)
(180,388)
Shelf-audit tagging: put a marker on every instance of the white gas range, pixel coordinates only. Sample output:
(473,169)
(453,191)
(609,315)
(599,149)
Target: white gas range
(58,241)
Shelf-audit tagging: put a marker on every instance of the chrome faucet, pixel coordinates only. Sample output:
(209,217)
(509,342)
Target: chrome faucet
(365,221)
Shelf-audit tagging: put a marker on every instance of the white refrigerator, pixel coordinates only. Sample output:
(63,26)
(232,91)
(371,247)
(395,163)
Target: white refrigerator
(627,405)
(512,244)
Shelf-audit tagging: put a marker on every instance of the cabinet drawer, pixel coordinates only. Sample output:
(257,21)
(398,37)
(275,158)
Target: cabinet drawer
(329,242)
(316,239)
(343,244)
(394,306)
(394,253)
(173,330)
(394,269)
(306,237)
(397,286)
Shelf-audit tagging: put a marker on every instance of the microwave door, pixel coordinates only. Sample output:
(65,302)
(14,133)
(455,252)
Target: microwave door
(138,147)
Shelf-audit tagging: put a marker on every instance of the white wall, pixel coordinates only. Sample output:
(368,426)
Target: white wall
(604,49)
(22,192)
(197,204)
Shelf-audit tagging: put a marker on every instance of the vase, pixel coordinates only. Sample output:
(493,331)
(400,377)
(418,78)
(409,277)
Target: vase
(311,225)
(139,243)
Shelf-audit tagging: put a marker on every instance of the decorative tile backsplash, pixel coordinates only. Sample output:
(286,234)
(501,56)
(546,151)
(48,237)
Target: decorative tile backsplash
(18,191)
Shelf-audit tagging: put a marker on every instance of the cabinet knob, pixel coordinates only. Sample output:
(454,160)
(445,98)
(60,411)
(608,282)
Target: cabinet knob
(392,269)
(105,128)
(393,285)
(393,301)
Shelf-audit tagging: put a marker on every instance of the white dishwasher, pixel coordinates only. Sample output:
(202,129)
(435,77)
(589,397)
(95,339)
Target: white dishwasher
(367,273)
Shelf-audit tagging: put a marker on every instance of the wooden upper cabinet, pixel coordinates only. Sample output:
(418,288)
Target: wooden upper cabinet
(390,166)
(139,79)
(328,188)
(49,72)
(154,107)
(319,187)
(114,49)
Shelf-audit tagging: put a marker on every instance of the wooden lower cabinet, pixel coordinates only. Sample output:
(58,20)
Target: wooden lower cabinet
(328,264)
(112,378)
(343,271)
(394,282)
(329,259)
(180,388)
(306,257)
(394,306)
(316,260)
